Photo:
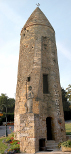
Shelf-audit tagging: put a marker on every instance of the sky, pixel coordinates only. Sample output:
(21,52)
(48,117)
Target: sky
(13,15)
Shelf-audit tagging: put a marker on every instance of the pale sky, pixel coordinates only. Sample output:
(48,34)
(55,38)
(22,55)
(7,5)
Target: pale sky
(13,15)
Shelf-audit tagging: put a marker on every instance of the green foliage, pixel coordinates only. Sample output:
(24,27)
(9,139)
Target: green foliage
(66,144)
(3,100)
(14,144)
(9,144)
(59,144)
(10,104)
(3,146)
(66,103)
(68,92)
(10,137)
(15,147)
(6,102)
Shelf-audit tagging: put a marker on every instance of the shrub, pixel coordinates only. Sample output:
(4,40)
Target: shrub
(10,138)
(66,143)
(59,144)
(14,147)
(14,144)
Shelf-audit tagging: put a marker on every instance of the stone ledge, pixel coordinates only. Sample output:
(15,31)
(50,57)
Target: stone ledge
(53,152)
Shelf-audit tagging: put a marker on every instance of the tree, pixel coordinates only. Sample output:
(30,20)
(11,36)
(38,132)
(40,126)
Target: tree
(11,105)
(65,102)
(3,101)
(7,107)
(68,92)
(6,102)
(66,105)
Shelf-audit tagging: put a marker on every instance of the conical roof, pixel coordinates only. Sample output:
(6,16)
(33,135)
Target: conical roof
(37,18)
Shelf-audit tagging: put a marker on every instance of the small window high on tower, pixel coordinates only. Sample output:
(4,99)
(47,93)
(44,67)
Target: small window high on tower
(45,83)
(28,79)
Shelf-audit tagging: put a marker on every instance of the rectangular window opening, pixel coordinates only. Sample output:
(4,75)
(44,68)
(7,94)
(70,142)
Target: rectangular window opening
(28,79)
(45,83)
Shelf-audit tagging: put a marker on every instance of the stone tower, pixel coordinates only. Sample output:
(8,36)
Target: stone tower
(38,107)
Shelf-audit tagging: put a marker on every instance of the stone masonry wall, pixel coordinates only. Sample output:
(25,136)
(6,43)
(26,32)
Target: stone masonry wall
(38,56)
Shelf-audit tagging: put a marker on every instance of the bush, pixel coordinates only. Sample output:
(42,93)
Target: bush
(66,144)
(14,144)
(59,144)
(14,147)
(9,138)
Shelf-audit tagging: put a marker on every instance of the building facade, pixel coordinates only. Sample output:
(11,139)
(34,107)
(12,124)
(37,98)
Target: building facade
(38,108)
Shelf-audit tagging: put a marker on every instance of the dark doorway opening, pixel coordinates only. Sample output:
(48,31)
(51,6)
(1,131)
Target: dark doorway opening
(42,144)
(49,128)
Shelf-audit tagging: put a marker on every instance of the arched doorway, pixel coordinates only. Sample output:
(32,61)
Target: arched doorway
(49,128)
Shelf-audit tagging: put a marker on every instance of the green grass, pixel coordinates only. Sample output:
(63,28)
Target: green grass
(3,146)
(68,128)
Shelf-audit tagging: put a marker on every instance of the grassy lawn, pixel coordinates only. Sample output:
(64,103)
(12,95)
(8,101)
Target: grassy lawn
(3,146)
(68,128)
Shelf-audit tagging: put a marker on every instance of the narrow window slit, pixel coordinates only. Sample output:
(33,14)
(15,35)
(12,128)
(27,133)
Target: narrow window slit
(28,79)
(45,83)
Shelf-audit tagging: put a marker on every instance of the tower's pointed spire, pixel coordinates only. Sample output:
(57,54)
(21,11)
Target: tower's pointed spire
(37,18)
